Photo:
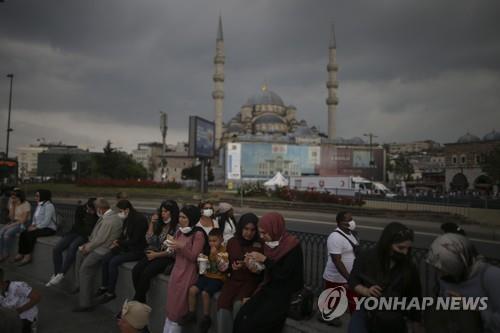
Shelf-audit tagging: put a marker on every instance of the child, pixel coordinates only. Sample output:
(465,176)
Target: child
(210,280)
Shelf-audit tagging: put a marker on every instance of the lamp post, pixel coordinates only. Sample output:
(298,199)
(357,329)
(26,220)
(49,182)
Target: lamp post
(11,76)
(163,128)
(372,163)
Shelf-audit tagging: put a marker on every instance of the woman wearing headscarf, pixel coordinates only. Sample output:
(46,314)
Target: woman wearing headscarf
(242,282)
(463,273)
(188,244)
(267,309)
(225,219)
(387,270)
(43,224)
(129,247)
(158,257)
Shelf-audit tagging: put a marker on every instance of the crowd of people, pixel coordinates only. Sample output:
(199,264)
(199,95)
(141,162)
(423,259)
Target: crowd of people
(252,264)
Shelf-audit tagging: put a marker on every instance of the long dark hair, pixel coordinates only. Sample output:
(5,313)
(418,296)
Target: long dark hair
(44,195)
(173,208)
(393,233)
(20,195)
(125,204)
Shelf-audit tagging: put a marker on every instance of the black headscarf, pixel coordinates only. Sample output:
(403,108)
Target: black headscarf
(45,195)
(193,214)
(248,218)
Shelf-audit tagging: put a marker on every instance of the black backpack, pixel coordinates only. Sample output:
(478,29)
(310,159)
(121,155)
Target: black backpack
(301,304)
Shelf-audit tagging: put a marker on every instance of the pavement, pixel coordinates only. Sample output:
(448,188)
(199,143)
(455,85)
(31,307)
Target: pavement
(55,315)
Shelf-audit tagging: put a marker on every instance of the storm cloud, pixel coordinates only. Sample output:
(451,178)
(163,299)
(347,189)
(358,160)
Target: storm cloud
(88,71)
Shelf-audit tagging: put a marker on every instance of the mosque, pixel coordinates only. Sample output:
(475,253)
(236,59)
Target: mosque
(266,135)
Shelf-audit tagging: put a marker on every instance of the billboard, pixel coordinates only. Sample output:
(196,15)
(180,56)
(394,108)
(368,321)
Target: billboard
(233,166)
(201,137)
(264,160)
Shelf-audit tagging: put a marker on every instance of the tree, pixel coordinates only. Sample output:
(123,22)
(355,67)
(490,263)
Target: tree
(491,165)
(116,164)
(403,167)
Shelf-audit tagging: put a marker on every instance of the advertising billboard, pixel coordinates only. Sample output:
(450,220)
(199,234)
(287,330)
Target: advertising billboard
(264,160)
(233,161)
(201,137)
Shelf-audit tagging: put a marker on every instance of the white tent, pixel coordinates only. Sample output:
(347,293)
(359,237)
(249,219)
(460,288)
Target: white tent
(278,180)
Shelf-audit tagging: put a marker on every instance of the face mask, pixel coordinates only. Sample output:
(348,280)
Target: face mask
(122,215)
(185,230)
(99,214)
(208,212)
(167,221)
(273,244)
(352,225)
(399,257)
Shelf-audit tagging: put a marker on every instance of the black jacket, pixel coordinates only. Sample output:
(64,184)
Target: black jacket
(84,222)
(134,232)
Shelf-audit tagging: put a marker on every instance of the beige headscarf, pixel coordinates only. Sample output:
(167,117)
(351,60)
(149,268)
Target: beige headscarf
(136,314)
(454,255)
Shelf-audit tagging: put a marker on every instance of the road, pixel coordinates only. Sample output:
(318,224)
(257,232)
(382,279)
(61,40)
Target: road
(486,238)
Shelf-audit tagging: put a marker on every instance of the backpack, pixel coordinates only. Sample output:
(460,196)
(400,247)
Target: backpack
(301,304)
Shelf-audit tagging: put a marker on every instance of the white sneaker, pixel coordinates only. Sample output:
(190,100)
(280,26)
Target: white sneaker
(48,284)
(57,279)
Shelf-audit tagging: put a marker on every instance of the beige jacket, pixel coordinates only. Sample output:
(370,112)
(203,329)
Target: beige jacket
(107,229)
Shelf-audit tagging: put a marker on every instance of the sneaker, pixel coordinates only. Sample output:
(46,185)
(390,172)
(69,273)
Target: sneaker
(57,279)
(48,284)
(106,298)
(101,291)
(188,318)
(205,324)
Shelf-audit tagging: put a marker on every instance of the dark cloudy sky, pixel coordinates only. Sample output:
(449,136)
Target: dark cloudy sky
(87,71)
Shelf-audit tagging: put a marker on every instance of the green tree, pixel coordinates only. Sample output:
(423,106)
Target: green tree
(402,167)
(491,165)
(116,164)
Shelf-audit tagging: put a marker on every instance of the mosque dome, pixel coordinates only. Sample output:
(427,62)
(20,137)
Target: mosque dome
(265,97)
(303,131)
(468,138)
(492,136)
(357,141)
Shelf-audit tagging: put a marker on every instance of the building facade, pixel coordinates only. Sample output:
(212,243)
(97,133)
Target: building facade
(463,161)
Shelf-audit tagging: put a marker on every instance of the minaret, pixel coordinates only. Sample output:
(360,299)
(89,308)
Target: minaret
(332,84)
(218,93)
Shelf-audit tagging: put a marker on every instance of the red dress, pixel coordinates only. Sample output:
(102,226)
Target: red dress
(241,283)
(184,274)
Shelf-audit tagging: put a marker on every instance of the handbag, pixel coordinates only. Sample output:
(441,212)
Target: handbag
(301,304)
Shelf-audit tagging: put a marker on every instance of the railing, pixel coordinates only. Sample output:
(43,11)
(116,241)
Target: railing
(470,202)
(315,254)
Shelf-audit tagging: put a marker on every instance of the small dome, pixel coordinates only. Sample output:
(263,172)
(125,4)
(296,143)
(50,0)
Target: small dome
(468,138)
(357,141)
(269,119)
(492,136)
(303,131)
(265,97)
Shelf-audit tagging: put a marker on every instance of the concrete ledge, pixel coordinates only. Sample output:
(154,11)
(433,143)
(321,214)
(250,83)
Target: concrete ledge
(42,268)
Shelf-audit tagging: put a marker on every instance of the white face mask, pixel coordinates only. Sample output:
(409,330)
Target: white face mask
(99,214)
(273,244)
(352,225)
(167,221)
(208,212)
(185,230)
(122,215)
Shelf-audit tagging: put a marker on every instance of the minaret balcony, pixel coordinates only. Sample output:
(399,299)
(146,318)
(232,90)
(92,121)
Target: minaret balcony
(332,100)
(218,94)
(332,84)
(218,77)
(219,59)
(332,67)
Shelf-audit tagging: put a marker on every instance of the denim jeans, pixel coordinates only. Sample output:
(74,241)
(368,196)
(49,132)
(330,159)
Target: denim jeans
(8,235)
(70,242)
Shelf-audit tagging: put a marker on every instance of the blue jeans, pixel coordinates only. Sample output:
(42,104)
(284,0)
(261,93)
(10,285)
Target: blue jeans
(8,235)
(70,242)
(358,323)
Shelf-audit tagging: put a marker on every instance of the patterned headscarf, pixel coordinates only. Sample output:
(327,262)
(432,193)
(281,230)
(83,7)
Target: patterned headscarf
(454,255)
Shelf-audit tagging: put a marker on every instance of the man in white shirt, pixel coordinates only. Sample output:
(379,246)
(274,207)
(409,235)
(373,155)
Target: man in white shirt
(341,246)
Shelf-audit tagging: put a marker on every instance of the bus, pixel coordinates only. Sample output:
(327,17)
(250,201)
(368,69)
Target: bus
(8,173)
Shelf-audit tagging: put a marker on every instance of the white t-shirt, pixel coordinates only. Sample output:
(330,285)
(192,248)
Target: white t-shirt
(208,229)
(337,244)
(16,296)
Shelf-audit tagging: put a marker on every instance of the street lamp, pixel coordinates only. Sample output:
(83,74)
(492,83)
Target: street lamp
(11,77)
(371,136)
